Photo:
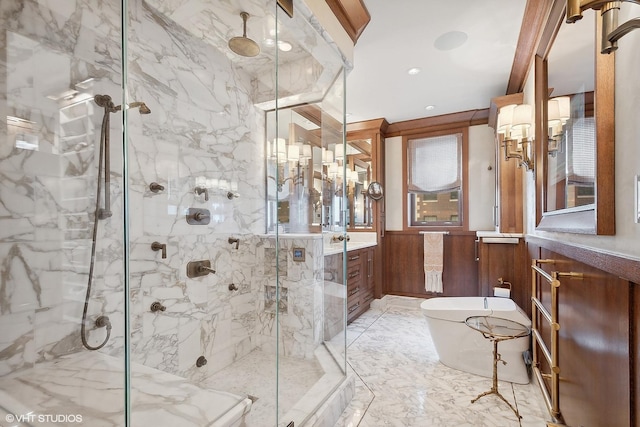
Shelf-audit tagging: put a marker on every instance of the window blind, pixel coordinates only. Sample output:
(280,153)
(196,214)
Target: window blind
(581,154)
(434,164)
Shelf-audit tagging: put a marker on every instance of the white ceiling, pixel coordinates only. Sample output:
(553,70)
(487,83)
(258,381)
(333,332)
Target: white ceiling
(402,34)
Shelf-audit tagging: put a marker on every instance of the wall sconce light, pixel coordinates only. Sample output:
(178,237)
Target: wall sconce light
(558,113)
(611,31)
(278,150)
(339,150)
(293,153)
(305,154)
(514,122)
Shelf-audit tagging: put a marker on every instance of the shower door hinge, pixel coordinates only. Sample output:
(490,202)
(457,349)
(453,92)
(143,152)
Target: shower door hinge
(287,6)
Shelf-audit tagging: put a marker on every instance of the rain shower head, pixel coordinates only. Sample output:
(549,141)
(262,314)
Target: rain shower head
(244,46)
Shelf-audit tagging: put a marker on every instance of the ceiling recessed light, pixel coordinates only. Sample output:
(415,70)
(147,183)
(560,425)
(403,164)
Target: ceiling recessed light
(413,71)
(284,46)
(269,42)
(430,107)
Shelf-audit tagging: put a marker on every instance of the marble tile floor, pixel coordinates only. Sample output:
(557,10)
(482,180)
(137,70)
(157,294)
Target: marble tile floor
(254,375)
(400,381)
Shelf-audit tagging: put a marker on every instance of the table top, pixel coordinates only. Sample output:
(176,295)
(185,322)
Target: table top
(497,327)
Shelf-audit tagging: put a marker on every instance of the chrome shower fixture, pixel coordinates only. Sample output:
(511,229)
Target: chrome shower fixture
(142,107)
(244,46)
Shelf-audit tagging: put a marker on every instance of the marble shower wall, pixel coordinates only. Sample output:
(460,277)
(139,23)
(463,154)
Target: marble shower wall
(203,130)
(48,157)
(300,307)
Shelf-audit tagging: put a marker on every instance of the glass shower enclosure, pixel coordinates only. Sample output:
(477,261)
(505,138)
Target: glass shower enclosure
(167,171)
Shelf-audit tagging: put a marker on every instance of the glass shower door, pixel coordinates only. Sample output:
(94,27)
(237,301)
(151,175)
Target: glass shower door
(305,186)
(62,323)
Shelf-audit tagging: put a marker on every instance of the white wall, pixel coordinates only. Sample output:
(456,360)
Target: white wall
(627,159)
(481,180)
(393,183)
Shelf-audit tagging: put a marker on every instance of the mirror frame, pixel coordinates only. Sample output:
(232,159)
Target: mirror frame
(599,220)
(375,131)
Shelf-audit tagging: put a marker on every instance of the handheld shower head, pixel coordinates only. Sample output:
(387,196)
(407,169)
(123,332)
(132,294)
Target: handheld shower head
(244,46)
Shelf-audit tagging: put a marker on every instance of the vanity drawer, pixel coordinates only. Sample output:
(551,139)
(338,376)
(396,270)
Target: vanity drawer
(353,258)
(353,310)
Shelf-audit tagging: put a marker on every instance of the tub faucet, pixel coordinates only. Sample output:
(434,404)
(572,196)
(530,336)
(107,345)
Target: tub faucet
(339,238)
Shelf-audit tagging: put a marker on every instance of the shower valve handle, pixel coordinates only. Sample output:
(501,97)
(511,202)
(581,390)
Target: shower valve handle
(157,246)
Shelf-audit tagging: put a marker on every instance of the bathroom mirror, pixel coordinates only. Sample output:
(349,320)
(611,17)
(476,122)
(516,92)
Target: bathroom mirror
(304,179)
(574,122)
(359,166)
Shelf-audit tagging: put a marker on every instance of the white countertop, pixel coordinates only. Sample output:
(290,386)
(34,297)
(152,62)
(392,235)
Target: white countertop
(336,248)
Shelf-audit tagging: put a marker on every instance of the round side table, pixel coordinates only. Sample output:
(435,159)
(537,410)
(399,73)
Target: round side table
(497,329)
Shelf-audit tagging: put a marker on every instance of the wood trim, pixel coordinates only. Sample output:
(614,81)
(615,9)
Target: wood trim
(605,139)
(465,178)
(618,265)
(437,123)
(374,125)
(602,222)
(500,101)
(542,131)
(551,27)
(352,15)
(533,21)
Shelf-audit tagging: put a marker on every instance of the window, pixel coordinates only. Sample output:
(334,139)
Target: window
(434,180)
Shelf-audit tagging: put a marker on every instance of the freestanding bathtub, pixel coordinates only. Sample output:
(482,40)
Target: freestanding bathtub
(463,348)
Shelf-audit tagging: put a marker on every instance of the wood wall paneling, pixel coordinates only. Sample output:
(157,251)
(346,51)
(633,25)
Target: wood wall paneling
(596,337)
(511,196)
(506,261)
(404,265)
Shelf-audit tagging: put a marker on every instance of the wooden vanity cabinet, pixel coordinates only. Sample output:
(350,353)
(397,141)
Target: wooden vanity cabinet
(360,281)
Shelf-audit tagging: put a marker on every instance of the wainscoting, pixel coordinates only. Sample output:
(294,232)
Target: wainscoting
(598,337)
(403,265)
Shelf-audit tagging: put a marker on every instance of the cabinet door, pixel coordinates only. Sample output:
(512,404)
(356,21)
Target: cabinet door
(354,283)
(368,280)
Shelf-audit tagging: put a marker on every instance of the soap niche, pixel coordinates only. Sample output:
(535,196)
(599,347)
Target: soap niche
(276,261)
(270,299)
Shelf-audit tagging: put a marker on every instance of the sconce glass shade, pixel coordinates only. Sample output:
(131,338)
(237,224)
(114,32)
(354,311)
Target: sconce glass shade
(522,117)
(327,156)
(564,108)
(281,149)
(339,151)
(505,118)
(293,153)
(333,169)
(553,112)
(305,154)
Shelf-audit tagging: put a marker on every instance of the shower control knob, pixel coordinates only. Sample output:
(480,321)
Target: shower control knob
(233,287)
(157,306)
(201,361)
(196,216)
(155,187)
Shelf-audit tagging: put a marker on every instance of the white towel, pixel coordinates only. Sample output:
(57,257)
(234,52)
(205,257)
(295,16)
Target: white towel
(433,261)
